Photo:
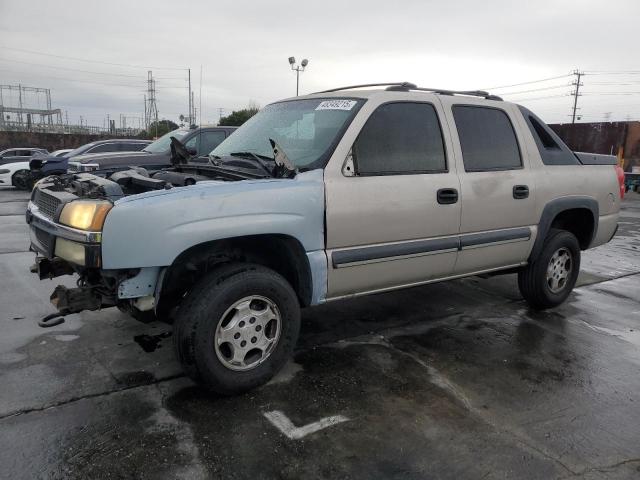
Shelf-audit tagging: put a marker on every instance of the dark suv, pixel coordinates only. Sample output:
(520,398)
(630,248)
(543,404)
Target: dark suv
(157,155)
(109,146)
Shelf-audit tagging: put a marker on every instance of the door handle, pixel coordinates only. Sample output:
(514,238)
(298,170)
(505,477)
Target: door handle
(520,191)
(447,196)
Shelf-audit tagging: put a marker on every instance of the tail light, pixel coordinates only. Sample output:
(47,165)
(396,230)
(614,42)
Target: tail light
(620,175)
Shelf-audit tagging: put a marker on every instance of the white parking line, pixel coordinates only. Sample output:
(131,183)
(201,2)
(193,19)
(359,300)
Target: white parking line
(282,423)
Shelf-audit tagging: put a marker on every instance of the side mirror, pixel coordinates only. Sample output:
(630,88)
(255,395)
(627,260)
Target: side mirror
(348,168)
(192,151)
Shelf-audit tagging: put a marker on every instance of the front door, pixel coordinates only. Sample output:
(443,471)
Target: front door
(392,210)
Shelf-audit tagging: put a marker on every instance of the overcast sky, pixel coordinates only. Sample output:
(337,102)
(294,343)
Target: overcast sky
(243,47)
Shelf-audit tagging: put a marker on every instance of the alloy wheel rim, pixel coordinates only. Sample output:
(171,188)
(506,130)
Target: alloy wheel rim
(559,270)
(247,333)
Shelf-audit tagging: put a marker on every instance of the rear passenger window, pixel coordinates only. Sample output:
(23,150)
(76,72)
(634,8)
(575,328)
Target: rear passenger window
(400,138)
(487,139)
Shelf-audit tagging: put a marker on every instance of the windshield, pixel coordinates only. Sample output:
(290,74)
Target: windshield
(306,130)
(80,150)
(162,144)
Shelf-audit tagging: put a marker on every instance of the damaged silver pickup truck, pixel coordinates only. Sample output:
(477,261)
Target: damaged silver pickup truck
(317,198)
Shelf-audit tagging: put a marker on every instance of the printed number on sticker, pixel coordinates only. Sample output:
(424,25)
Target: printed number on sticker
(336,105)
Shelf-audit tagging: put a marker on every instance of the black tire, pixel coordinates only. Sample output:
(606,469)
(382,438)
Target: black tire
(533,281)
(22,180)
(202,310)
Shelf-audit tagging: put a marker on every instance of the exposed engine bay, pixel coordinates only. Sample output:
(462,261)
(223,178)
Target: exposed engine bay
(113,184)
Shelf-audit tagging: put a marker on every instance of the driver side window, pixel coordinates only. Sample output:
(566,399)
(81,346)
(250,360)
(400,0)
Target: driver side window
(400,138)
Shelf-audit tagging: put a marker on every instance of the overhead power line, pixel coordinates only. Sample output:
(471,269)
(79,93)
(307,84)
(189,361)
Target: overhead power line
(57,67)
(87,60)
(610,93)
(540,98)
(534,90)
(73,79)
(618,72)
(528,83)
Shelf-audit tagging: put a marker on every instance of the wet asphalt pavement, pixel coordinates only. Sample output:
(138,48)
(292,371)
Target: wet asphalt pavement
(457,380)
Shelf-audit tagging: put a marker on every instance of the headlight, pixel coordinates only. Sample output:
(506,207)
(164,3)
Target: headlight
(85,214)
(4,170)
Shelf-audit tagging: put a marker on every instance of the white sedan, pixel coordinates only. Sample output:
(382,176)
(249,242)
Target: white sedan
(15,174)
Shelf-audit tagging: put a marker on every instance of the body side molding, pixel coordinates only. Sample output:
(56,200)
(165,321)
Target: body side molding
(343,258)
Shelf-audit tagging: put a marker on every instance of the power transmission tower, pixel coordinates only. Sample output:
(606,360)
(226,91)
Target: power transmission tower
(151,109)
(576,93)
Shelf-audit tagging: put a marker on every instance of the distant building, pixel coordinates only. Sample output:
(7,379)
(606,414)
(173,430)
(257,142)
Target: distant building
(610,138)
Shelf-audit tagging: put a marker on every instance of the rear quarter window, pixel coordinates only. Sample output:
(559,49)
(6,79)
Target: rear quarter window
(553,151)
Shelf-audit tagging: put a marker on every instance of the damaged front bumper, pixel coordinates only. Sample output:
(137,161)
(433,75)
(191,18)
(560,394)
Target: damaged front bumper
(63,250)
(51,239)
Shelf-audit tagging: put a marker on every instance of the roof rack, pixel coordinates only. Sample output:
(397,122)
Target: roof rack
(408,86)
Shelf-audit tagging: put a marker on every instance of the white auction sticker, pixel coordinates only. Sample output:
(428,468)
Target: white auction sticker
(336,105)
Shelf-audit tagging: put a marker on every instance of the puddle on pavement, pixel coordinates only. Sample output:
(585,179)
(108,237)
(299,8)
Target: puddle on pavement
(631,335)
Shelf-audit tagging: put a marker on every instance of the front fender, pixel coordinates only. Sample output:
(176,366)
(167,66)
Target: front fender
(152,229)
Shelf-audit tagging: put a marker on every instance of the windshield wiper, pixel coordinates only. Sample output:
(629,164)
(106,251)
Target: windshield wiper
(259,159)
(284,167)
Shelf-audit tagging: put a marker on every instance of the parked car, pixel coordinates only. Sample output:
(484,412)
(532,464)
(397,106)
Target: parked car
(157,155)
(109,146)
(59,164)
(13,155)
(15,174)
(318,198)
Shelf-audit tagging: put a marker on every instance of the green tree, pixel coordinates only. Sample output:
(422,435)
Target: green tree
(238,117)
(159,128)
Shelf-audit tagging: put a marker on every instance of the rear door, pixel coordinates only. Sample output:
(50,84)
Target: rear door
(385,225)
(497,224)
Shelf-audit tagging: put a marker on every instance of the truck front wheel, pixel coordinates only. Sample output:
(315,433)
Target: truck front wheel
(236,328)
(549,279)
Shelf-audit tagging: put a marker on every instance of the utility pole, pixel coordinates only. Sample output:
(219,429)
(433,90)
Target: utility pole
(192,113)
(190,102)
(576,93)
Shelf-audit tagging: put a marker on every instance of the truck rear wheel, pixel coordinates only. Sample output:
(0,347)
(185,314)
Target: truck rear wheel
(549,279)
(236,328)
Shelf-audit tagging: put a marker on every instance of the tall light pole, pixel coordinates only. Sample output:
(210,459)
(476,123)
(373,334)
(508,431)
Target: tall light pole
(298,69)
